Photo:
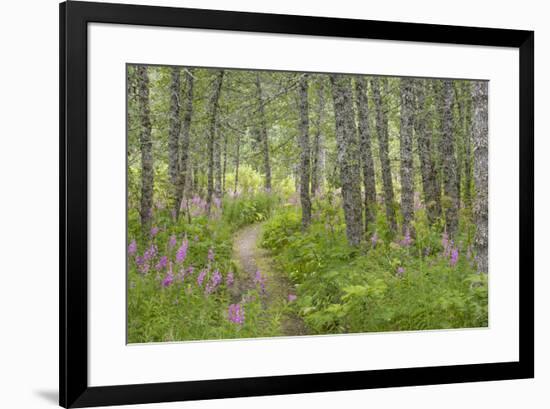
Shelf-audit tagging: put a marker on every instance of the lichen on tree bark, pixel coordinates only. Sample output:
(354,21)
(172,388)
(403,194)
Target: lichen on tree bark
(348,156)
(146,142)
(481,174)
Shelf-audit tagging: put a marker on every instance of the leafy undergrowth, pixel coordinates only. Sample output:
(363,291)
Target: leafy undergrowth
(426,282)
(182,283)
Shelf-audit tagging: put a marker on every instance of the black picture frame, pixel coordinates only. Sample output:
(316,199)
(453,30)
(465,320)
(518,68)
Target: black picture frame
(73,348)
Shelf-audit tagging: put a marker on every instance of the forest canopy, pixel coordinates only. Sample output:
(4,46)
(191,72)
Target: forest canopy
(265,203)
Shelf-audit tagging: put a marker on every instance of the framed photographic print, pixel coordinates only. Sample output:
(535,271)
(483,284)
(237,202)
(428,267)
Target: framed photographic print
(256,204)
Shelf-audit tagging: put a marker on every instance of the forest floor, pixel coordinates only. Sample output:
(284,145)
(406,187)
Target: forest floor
(252,258)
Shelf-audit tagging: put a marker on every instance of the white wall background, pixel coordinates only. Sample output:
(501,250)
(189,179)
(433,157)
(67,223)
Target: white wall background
(29,202)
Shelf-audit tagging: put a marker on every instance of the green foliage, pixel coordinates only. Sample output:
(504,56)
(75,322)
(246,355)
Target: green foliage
(250,181)
(248,209)
(383,287)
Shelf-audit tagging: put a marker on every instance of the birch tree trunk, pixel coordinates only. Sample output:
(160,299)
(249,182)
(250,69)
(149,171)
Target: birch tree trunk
(146,142)
(365,150)
(467,129)
(406,167)
(264,142)
(318,156)
(217,162)
(382,133)
(183,158)
(348,156)
(211,135)
(304,152)
(237,159)
(174,129)
(449,167)
(423,131)
(481,174)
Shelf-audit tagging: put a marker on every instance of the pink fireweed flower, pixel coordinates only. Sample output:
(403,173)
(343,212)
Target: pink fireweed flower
(154,231)
(168,280)
(406,241)
(144,268)
(260,280)
(201,277)
(181,275)
(172,241)
(162,263)
(229,279)
(235,314)
(150,253)
(184,273)
(210,254)
(132,248)
(292,297)
(214,282)
(182,252)
(454,257)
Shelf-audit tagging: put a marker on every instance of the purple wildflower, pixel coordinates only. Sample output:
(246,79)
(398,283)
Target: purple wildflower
(150,253)
(184,273)
(454,257)
(235,314)
(162,263)
(229,279)
(400,271)
(201,277)
(215,281)
(154,231)
(217,202)
(168,280)
(260,280)
(182,251)
(132,248)
(140,260)
(172,241)
(406,241)
(144,268)
(292,297)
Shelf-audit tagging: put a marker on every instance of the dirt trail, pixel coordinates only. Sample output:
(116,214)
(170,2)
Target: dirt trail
(252,258)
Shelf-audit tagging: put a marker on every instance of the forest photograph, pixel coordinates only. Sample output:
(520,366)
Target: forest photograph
(272,203)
